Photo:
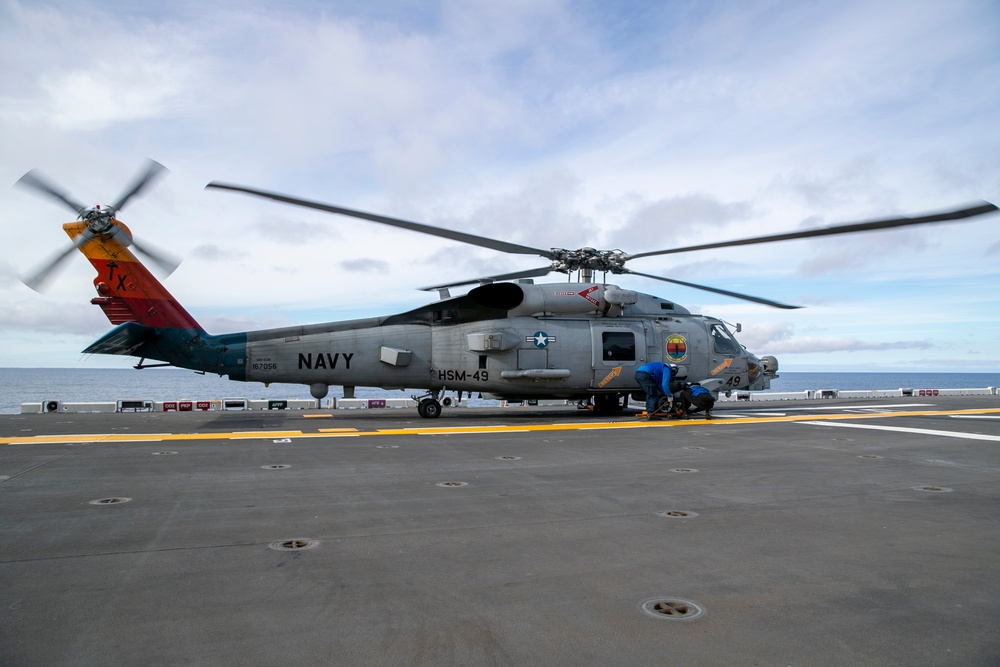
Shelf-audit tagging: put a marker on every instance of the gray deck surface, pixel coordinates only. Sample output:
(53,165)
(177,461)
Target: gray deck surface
(804,543)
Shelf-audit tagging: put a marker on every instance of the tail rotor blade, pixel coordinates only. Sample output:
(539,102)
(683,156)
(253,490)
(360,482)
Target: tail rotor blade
(35,181)
(161,258)
(37,280)
(153,170)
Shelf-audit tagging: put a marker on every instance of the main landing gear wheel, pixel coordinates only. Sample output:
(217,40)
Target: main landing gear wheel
(429,408)
(663,407)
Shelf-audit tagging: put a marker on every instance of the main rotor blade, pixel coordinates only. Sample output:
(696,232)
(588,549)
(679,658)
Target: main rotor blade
(37,280)
(981,208)
(140,183)
(471,239)
(529,273)
(744,297)
(34,180)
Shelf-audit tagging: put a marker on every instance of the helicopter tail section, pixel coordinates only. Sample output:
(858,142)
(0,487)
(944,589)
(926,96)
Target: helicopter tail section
(127,291)
(151,324)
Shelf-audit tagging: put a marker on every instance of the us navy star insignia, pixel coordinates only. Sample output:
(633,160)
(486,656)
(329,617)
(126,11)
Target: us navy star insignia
(540,339)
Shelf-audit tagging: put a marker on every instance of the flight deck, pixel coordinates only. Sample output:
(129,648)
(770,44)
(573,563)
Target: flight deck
(801,532)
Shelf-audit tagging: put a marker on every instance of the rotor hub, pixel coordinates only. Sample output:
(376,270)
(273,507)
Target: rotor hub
(98,221)
(568,261)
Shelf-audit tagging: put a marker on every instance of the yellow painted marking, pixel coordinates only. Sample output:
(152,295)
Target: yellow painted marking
(244,435)
(610,376)
(510,429)
(459,430)
(316,416)
(721,367)
(145,437)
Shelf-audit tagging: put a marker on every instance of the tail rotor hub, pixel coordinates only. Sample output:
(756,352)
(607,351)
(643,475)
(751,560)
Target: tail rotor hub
(98,221)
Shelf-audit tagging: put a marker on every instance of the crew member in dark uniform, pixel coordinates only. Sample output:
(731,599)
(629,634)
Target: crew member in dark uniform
(695,398)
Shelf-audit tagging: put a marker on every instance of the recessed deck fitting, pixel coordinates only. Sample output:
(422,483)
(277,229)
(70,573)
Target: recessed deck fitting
(933,489)
(294,544)
(109,501)
(452,484)
(672,609)
(276,466)
(677,514)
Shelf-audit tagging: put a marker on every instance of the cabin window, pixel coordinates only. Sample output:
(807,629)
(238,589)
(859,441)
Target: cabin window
(723,341)
(619,345)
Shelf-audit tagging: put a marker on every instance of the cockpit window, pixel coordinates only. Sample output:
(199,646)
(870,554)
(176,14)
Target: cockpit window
(723,341)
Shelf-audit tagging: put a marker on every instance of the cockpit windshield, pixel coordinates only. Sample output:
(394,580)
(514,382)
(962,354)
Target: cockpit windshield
(723,341)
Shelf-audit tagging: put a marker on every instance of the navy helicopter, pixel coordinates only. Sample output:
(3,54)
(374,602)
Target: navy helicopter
(514,341)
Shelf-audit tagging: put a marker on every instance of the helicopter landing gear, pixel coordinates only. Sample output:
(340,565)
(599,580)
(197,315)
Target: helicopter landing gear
(429,408)
(666,408)
(428,405)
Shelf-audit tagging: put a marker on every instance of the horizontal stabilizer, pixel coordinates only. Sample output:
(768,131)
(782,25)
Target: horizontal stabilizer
(123,339)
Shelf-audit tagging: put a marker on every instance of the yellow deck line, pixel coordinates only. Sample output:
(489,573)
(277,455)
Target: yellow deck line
(468,430)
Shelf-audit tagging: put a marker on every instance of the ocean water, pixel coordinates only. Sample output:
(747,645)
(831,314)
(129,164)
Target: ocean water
(73,385)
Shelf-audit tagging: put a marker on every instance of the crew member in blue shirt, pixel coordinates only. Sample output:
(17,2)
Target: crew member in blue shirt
(654,378)
(696,398)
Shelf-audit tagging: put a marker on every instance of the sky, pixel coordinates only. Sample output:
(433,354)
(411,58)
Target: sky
(551,123)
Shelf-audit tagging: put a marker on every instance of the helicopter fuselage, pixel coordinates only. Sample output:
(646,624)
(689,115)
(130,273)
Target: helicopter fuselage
(508,340)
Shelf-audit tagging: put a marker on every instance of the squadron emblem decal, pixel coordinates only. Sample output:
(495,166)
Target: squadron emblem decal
(677,349)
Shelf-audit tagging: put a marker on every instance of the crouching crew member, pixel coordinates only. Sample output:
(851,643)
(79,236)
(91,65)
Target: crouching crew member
(695,398)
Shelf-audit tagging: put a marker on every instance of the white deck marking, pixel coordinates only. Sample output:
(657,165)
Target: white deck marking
(903,429)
